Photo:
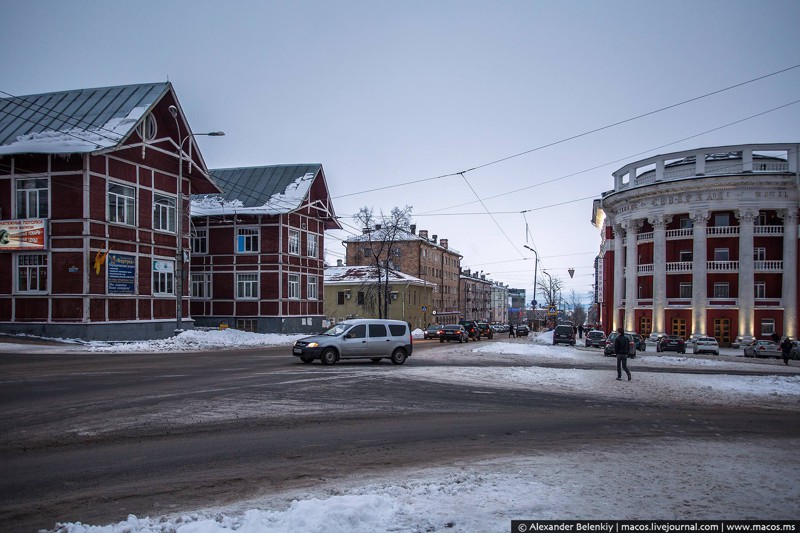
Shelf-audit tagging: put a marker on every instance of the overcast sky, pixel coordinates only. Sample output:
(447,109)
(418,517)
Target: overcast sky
(384,93)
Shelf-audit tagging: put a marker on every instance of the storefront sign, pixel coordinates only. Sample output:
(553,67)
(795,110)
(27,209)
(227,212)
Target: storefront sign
(25,234)
(121,274)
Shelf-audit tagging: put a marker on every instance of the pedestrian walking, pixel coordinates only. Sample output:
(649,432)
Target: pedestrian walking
(786,348)
(580,331)
(512,331)
(621,347)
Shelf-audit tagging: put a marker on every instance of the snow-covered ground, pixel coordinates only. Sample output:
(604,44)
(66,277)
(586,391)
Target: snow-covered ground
(664,479)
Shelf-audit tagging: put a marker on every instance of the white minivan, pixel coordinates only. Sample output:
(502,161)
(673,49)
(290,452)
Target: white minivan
(363,338)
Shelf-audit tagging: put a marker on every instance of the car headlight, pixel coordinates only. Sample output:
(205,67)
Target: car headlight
(312,345)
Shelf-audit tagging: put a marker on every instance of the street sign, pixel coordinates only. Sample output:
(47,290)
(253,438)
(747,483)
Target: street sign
(552,311)
(424,307)
(433,312)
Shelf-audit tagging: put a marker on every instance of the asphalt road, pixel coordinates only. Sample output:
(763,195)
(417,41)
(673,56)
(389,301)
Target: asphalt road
(96,437)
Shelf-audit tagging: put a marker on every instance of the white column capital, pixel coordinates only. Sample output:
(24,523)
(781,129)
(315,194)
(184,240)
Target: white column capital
(660,221)
(747,215)
(700,216)
(631,225)
(789,216)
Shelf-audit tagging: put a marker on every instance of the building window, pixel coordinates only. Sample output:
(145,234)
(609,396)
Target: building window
(294,242)
(164,213)
(686,223)
(360,296)
(312,248)
(246,240)
(121,204)
(686,256)
(163,278)
(686,290)
(247,324)
(201,286)
(32,198)
(147,129)
(247,286)
(367,252)
(761,219)
(759,254)
(760,289)
(32,273)
(721,290)
(767,326)
(340,298)
(294,286)
(721,254)
(200,241)
(312,287)
(722,219)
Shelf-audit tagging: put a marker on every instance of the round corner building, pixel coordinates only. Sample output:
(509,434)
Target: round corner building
(702,242)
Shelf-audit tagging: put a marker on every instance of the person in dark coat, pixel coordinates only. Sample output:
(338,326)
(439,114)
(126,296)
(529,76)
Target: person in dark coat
(786,348)
(580,331)
(621,346)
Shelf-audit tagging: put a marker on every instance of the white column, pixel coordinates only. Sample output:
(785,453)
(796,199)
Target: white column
(789,286)
(746,271)
(659,223)
(631,274)
(619,277)
(699,271)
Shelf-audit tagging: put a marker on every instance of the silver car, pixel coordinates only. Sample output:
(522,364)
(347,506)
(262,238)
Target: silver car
(705,345)
(358,339)
(763,349)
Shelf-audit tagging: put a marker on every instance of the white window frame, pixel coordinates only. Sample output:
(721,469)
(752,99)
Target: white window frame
(685,288)
(164,213)
(247,286)
(722,219)
(294,287)
(38,268)
(29,201)
(294,242)
(247,239)
(163,277)
(123,208)
(686,256)
(200,285)
(312,285)
(200,241)
(759,254)
(760,290)
(767,326)
(722,252)
(312,245)
(720,288)
(686,223)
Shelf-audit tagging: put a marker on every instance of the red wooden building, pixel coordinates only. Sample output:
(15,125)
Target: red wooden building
(91,210)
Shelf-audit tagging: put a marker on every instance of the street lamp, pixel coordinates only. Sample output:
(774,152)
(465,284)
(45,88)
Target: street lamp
(535,269)
(179,259)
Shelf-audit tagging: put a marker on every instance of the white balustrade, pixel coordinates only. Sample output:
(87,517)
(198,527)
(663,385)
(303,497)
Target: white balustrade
(775,231)
(645,269)
(768,266)
(644,237)
(682,266)
(684,233)
(723,266)
(722,230)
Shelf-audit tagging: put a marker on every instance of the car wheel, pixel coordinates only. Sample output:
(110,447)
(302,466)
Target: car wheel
(328,357)
(398,356)
(306,359)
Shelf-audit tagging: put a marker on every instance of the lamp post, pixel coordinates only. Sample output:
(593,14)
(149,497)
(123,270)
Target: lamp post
(179,259)
(549,292)
(535,269)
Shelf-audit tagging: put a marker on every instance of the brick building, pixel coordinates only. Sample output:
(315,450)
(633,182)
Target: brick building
(475,296)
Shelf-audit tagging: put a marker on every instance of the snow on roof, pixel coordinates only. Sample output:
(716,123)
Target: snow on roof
(348,275)
(281,202)
(402,235)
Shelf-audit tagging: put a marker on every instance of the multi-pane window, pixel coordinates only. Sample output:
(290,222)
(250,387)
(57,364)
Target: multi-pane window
(246,240)
(721,290)
(686,256)
(201,286)
(32,273)
(686,223)
(767,326)
(247,324)
(294,242)
(121,204)
(686,290)
(200,241)
(312,246)
(759,254)
(163,278)
(721,254)
(164,213)
(722,219)
(32,198)
(294,286)
(312,287)
(247,286)
(760,289)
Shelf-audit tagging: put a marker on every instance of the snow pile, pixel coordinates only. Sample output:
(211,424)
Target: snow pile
(418,334)
(198,340)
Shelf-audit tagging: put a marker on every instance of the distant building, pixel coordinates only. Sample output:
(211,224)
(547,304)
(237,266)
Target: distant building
(352,292)
(498,307)
(702,241)
(475,296)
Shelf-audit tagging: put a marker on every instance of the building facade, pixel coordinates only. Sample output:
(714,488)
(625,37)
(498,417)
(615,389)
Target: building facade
(258,249)
(352,292)
(94,191)
(421,256)
(702,242)
(475,296)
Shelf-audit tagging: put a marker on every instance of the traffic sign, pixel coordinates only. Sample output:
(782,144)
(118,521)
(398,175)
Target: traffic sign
(552,311)
(424,307)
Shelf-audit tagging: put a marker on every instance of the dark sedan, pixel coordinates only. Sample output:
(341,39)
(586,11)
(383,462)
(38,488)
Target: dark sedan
(432,332)
(671,343)
(453,332)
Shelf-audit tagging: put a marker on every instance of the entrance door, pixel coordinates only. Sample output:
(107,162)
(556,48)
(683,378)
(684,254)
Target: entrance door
(645,328)
(679,327)
(722,331)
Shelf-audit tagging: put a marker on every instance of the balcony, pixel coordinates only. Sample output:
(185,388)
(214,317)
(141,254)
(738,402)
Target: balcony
(768,231)
(768,266)
(723,231)
(722,266)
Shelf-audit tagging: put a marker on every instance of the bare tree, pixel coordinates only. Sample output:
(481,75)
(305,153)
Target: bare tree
(381,232)
(578,312)
(550,287)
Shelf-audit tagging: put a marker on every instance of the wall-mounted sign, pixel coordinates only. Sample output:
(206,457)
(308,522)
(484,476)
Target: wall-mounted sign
(121,274)
(24,234)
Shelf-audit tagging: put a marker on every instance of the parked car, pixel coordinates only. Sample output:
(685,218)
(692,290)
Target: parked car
(472,328)
(763,349)
(432,331)
(359,338)
(522,330)
(453,332)
(486,330)
(706,345)
(691,340)
(564,333)
(609,349)
(595,338)
(639,341)
(671,343)
(743,340)
(795,352)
